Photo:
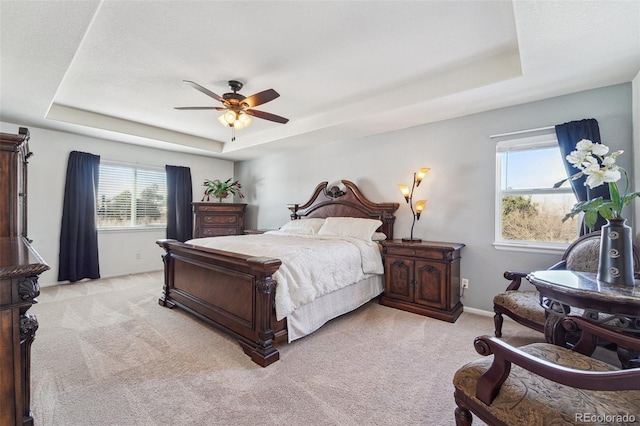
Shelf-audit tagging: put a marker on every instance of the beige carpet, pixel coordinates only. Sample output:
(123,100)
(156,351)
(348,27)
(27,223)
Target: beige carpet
(107,354)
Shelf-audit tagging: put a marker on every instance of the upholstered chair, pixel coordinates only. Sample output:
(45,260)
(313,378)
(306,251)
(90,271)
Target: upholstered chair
(523,306)
(545,384)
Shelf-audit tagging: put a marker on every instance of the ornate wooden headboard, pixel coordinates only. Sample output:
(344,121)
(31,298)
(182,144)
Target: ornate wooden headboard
(345,200)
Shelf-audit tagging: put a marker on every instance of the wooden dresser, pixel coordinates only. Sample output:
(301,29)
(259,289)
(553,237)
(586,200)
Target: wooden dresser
(423,278)
(217,219)
(20,266)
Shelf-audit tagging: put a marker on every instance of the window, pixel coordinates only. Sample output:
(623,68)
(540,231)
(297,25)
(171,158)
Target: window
(131,196)
(529,211)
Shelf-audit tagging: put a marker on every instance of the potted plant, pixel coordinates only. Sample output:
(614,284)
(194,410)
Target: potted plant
(221,190)
(616,242)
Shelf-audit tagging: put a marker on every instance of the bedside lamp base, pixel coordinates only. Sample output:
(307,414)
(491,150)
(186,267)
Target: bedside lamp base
(412,240)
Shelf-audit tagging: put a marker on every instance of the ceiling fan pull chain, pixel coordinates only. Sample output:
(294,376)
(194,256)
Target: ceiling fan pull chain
(233,134)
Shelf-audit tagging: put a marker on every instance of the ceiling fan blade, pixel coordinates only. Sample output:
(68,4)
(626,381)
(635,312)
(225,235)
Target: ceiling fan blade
(198,108)
(204,90)
(260,98)
(267,116)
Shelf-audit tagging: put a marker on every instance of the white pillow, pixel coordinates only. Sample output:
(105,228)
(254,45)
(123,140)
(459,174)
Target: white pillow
(354,227)
(302,226)
(379,236)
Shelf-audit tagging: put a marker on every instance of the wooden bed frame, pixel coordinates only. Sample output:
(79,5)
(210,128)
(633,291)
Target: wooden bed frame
(235,292)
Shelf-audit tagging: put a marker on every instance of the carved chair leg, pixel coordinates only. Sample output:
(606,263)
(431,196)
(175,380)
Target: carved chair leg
(498,320)
(463,416)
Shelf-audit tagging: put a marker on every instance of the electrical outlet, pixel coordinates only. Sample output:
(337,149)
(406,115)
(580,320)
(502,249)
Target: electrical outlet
(138,256)
(465,283)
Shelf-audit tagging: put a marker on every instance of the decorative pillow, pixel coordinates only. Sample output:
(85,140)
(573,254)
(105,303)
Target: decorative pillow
(354,227)
(379,236)
(303,226)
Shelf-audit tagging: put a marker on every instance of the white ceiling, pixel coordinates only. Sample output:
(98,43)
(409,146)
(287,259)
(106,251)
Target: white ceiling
(344,69)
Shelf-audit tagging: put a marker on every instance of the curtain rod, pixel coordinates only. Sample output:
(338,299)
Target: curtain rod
(131,163)
(519,132)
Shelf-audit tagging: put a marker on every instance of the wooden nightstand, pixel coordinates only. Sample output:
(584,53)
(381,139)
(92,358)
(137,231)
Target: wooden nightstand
(216,219)
(423,278)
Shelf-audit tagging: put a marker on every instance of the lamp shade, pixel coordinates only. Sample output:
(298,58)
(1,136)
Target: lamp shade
(421,174)
(420,205)
(404,189)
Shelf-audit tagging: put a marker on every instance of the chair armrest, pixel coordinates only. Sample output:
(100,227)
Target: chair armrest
(591,331)
(504,355)
(516,279)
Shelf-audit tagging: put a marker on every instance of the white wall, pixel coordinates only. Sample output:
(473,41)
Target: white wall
(459,187)
(117,249)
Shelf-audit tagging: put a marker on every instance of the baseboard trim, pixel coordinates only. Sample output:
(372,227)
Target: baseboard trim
(116,275)
(476,311)
(484,313)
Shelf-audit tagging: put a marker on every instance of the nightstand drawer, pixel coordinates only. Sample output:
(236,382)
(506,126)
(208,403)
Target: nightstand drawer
(423,253)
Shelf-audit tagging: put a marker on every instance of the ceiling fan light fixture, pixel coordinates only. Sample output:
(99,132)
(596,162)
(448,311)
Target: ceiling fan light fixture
(230,117)
(238,107)
(223,120)
(243,121)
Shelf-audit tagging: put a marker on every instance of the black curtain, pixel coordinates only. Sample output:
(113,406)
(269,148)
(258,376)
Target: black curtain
(569,134)
(179,198)
(78,256)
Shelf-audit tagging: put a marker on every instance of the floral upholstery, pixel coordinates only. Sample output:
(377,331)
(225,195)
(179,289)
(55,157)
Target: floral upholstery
(584,256)
(525,304)
(528,399)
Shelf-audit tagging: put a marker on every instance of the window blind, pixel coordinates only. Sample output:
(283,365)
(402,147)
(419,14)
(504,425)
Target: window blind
(131,196)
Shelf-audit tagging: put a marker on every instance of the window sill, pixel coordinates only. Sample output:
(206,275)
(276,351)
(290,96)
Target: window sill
(132,229)
(541,248)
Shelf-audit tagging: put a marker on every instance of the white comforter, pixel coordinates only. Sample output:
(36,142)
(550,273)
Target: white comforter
(312,265)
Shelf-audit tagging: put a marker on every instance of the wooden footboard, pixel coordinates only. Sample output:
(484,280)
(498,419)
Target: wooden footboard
(230,291)
(236,292)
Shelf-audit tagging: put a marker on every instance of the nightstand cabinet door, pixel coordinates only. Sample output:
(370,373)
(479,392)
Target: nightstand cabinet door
(423,278)
(399,273)
(431,284)
(218,219)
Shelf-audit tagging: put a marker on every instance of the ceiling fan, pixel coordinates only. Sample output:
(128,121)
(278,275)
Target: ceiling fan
(238,107)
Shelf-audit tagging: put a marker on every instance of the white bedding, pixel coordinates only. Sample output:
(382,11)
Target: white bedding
(312,265)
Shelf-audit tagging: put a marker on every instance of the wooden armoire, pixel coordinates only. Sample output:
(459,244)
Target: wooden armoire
(20,266)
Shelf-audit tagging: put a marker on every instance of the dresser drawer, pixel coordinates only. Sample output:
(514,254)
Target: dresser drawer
(217,231)
(219,219)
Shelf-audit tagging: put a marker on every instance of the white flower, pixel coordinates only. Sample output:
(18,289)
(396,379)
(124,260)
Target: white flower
(590,159)
(584,145)
(612,175)
(589,164)
(597,178)
(615,154)
(609,161)
(576,157)
(599,149)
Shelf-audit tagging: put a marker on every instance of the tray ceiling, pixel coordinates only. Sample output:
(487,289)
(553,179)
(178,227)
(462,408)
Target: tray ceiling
(344,69)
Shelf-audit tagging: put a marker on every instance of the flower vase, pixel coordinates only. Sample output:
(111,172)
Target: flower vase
(615,265)
(222,196)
